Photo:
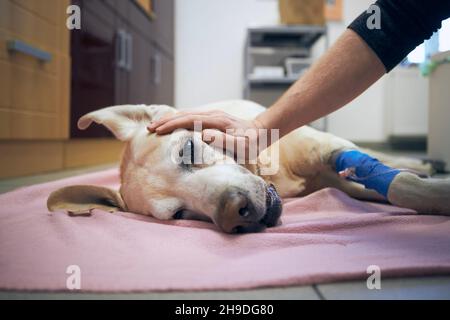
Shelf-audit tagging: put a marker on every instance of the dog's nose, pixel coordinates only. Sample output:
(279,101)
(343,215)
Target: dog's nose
(237,213)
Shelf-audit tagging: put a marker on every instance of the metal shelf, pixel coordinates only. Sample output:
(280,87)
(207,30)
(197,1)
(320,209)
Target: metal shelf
(270,46)
(289,29)
(285,36)
(269,81)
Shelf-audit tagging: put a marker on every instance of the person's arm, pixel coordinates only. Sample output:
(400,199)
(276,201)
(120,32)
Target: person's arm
(374,43)
(393,28)
(343,73)
(357,60)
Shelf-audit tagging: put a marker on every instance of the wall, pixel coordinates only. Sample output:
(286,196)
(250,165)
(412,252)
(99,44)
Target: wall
(209,57)
(407,100)
(363,118)
(209,41)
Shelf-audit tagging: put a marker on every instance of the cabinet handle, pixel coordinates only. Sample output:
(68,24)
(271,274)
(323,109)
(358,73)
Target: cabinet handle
(129,46)
(20,46)
(157,68)
(121,50)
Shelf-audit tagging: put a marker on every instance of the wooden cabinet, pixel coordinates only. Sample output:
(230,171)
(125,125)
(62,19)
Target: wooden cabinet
(162,78)
(34,69)
(140,70)
(93,71)
(50,76)
(122,55)
(164,11)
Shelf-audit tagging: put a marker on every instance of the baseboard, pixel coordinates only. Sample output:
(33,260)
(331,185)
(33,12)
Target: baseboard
(21,158)
(400,143)
(86,152)
(373,145)
(413,143)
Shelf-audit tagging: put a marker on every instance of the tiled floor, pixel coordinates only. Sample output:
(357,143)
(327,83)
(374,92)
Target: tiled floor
(425,288)
(403,288)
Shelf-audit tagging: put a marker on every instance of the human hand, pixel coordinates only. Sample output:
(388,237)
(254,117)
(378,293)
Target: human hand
(219,129)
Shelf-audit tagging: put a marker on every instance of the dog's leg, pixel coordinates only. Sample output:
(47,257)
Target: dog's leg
(402,189)
(417,165)
(423,195)
(330,179)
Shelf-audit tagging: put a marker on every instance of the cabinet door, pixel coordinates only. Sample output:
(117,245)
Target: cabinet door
(116,61)
(93,67)
(140,73)
(164,11)
(140,21)
(162,71)
(121,75)
(34,70)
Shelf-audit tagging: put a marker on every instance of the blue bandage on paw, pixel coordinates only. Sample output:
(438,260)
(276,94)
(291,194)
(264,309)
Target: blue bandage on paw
(366,170)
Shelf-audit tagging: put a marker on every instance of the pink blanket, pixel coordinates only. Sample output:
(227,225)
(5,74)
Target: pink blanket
(324,237)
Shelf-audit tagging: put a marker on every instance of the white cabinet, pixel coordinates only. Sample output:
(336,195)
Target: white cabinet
(406,103)
(439,111)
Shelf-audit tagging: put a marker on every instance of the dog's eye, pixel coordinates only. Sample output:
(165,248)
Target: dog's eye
(188,153)
(178,215)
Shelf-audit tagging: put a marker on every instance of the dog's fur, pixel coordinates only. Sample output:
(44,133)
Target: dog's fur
(152,183)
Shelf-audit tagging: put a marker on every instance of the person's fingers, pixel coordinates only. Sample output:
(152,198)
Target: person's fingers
(186,121)
(157,123)
(219,139)
(181,114)
(237,145)
(211,135)
(189,122)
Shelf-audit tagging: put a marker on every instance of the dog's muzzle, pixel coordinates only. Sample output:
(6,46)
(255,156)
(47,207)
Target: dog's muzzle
(274,207)
(238,214)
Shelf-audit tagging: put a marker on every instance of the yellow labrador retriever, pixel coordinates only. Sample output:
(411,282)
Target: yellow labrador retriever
(156,181)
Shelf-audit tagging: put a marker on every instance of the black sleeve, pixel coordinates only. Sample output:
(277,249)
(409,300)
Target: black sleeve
(404,25)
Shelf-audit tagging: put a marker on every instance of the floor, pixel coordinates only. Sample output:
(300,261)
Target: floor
(402,288)
(11,184)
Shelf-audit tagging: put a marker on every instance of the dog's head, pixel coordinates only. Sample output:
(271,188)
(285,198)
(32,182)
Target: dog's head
(176,176)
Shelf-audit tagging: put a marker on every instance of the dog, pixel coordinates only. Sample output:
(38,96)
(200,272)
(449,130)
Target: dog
(237,198)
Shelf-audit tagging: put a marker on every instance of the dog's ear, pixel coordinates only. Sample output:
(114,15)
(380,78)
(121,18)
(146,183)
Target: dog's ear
(81,199)
(124,121)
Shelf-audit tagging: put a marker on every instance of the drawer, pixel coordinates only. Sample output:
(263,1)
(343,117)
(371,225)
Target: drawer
(22,24)
(29,27)
(47,9)
(34,90)
(25,60)
(5,85)
(29,88)
(29,125)
(22,157)
(5,124)
(34,93)
(28,93)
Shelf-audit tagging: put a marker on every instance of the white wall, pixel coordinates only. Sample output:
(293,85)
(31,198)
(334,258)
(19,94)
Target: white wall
(363,119)
(396,105)
(407,100)
(209,41)
(209,60)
